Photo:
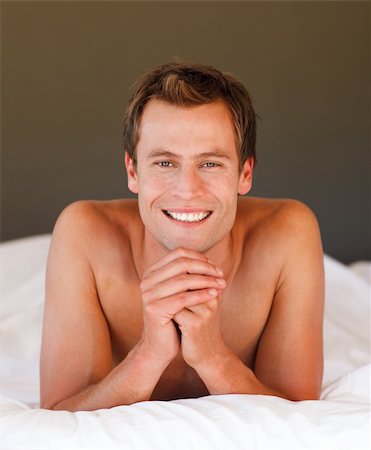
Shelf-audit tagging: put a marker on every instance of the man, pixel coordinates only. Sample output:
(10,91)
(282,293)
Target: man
(190,290)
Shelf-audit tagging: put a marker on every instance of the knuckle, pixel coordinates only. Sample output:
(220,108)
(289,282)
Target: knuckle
(146,273)
(146,297)
(196,325)
(183,263)
(150,309)
(212,305)
(182,298)
(179,252)
(183,278)
(208,313)
(182,251)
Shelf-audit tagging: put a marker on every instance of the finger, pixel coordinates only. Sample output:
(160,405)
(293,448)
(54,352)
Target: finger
(182,265)
(191,316)
(203,309)
(169,306)
(183,319)
(181,283)
(177,253)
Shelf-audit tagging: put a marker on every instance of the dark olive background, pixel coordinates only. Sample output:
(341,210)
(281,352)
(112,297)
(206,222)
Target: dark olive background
(67,69)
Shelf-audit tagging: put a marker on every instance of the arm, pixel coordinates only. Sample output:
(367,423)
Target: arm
(76,359)
(290,353)
(289,357)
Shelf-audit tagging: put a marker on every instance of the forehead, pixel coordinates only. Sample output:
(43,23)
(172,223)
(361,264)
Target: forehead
(197,126)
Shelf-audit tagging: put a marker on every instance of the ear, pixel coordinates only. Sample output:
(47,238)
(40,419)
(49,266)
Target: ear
(132,174)
(245,180)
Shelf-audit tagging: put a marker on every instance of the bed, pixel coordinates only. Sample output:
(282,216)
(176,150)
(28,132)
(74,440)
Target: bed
(340,420)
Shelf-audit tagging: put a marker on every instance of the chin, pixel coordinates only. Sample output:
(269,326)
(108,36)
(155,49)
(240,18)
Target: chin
(191,244)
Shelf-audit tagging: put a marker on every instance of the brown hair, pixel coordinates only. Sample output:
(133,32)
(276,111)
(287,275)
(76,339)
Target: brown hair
(187,84)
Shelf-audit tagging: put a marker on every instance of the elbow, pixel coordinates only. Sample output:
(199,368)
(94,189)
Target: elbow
(55,405)
(306,387)
(52,406)
(45,403)
(309,393)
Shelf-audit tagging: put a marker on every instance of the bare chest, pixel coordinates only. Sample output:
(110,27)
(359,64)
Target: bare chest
(245,307)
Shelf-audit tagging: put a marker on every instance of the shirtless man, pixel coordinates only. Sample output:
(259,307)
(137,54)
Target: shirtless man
(191,289)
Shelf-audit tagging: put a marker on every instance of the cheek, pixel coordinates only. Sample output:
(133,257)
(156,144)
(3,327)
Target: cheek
(151,190)
(155,184)
(228,188)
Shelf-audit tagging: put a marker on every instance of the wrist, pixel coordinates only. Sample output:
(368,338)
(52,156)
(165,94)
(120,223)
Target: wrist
(227,374)
(216,364)
(147,356)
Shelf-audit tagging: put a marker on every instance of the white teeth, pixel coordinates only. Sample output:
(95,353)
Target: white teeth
(191,217)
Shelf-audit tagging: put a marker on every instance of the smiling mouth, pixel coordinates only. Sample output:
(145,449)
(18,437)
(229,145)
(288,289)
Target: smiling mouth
(188,217)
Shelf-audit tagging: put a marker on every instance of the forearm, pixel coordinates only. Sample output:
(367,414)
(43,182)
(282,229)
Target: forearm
(228,375)
(133,380)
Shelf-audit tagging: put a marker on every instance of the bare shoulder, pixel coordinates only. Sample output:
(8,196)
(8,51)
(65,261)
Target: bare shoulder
(92,219)
(283,217)
(85,211)
(269,208)
(278,231)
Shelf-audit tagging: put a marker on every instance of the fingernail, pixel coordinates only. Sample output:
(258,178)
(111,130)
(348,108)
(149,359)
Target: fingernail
(220,281)
(219,271)
(212,292)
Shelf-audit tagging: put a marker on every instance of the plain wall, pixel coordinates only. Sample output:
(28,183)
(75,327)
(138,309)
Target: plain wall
(68,67)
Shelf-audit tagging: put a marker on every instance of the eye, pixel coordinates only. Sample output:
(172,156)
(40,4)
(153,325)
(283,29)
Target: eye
(164,164)
(210,165)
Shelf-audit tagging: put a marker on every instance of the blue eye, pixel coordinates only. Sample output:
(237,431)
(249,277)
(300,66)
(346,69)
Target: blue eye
(210,165)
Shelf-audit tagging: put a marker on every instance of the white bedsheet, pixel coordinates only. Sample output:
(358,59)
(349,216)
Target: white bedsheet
(340,420)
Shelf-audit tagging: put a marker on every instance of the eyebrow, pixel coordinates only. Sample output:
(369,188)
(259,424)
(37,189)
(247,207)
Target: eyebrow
(211,154)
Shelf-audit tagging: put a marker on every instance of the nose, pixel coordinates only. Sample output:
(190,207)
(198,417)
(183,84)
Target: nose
(188,183)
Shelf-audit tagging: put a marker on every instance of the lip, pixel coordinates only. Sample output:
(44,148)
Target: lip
(187,211)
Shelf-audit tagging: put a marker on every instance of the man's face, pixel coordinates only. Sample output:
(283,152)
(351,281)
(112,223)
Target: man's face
(187,175)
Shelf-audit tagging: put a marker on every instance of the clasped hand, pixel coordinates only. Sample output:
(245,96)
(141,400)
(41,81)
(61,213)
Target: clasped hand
(182,289)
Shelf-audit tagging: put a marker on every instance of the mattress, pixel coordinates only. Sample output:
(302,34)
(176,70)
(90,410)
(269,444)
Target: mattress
(339,420)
